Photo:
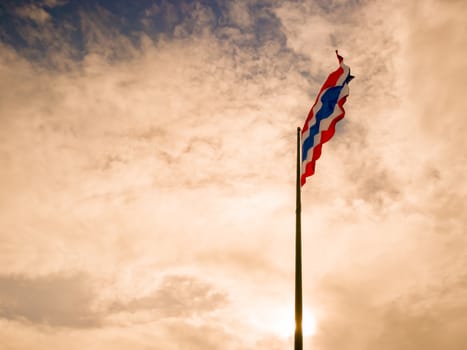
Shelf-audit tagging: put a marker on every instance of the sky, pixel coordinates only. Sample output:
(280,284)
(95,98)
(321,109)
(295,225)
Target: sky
(147,178)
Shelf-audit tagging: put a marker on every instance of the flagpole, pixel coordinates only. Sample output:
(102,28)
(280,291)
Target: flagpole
(298,340)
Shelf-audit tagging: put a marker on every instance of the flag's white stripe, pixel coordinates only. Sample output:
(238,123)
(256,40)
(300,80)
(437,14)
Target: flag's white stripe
(324,125)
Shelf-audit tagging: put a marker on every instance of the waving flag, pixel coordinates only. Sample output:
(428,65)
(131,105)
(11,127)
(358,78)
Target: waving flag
(320,125)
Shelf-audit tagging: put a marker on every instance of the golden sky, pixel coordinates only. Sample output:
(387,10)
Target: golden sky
(147,175)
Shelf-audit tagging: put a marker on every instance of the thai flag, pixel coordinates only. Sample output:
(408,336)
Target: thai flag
(320,125)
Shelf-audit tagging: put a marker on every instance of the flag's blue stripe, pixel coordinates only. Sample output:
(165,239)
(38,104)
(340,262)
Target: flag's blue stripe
(329,101)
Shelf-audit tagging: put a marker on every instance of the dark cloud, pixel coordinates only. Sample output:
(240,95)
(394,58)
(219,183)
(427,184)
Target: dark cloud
(434,317)
(373,182)
(52,31)
(431,317)
(177,296)
(54,300)
(203,337)
(72,301)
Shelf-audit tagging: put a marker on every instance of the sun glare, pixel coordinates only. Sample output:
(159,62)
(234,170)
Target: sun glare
(282,322)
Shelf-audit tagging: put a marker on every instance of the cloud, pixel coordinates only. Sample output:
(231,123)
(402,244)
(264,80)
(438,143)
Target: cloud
(176,297)
(73,301)
(428,75)
(240,14)
(204,336)
(430,317)
(55,3)
(54,300)
(34,13)
(102,35)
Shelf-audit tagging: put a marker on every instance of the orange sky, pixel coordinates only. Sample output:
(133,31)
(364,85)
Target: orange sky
(147,191)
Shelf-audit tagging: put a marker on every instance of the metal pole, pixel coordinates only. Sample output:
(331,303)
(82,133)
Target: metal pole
(298,340)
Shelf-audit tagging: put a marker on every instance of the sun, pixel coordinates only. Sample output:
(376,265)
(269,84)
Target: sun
(280,321)
(283,322)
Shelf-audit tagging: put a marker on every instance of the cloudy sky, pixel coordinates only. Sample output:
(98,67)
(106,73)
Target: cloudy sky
(147,175)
